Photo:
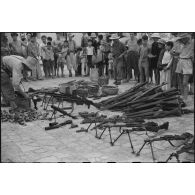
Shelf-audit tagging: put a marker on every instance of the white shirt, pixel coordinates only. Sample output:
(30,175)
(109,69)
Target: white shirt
(167,57)
(90,51)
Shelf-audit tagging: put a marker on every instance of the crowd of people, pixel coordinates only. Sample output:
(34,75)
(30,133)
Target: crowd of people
(148,58)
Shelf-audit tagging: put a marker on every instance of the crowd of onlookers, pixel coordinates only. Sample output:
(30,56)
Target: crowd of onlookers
(147,58)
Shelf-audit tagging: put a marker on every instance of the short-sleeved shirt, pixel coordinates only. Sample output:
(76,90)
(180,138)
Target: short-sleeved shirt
(14,65)
(117,49)
(57,44)
(72,45)
(144,51)
(167,57)
(42,51)
(33,49)
(49,55)
(90,51)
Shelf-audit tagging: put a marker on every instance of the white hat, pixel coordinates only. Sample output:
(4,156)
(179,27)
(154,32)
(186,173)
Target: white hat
(155,35)
(114,36)
(30,62)
(70,35)
(93,35)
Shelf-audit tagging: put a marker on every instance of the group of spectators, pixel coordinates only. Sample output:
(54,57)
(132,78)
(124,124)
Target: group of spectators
(148,58)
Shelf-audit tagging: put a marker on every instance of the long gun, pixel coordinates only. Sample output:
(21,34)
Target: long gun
(58,125)
(62,111)
(169,138)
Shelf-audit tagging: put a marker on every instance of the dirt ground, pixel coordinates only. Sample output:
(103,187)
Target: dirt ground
(32,143)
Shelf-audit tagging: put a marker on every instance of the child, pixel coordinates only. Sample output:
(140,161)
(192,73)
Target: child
(78,61)
(165,73)
(90,53)
(62,58)
(143,60)
(110,66)
(84,67)
(49,60)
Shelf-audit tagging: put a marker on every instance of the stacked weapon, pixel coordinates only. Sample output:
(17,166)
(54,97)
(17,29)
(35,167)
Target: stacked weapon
(183,137)
(56,125)
(141,101)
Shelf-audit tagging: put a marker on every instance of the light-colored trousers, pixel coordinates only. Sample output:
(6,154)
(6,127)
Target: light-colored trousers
(165,76)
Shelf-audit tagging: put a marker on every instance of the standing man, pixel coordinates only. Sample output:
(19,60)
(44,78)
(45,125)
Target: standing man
(12,66)
(72,49)
(16,45)
(153,58)
(132,57)
(117,49)
(185,63)
(33,51)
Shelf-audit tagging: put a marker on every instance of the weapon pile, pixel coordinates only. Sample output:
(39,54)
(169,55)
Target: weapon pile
(21,116)
(141,101)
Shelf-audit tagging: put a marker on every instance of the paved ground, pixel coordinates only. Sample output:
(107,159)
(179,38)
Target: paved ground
(32,143)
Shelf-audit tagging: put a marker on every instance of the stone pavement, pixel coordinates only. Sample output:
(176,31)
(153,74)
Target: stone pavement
(32,143)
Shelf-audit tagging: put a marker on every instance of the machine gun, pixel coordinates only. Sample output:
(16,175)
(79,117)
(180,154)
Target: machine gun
(169,138)
(56,125)
(185,148)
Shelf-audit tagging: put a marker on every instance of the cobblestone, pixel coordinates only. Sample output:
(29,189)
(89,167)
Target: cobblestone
(32,143)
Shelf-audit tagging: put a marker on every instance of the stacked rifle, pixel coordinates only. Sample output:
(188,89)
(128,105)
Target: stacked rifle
(141,101)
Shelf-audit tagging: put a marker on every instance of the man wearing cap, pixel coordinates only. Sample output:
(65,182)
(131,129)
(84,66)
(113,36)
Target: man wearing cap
(185,63)
(16,45)
(153,58)
(117,50)
(12,66)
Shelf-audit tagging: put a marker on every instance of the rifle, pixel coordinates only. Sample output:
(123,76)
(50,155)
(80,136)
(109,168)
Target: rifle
(58,125)
(62,111)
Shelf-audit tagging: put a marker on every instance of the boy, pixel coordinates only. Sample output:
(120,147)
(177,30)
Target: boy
(110,65)
(90,53)
(49,60)
(143,60)
(42,53)
(33,51)
(62,58)
(165,73)
(84,67)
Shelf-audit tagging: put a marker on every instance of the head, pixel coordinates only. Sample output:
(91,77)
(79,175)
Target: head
(49,39)
(65,43)
(44,39)
(100,37)
(49,45)
(4,41)
(144,40)
(14,36)
(89,42)
(33,37)
(70,37)
(28,36)
(169,45)
(58,36)
(139,42)
(132,35)
(160,45)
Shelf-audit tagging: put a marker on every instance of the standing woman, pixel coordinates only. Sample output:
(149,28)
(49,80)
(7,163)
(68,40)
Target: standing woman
(185,63)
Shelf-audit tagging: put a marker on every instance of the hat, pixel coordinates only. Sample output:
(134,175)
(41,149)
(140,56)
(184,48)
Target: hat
(14,34)
(30,62)
(28,34)
(155,35)
(162,41)
(182,36)
(93,35)
(70,35)
(114,36)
